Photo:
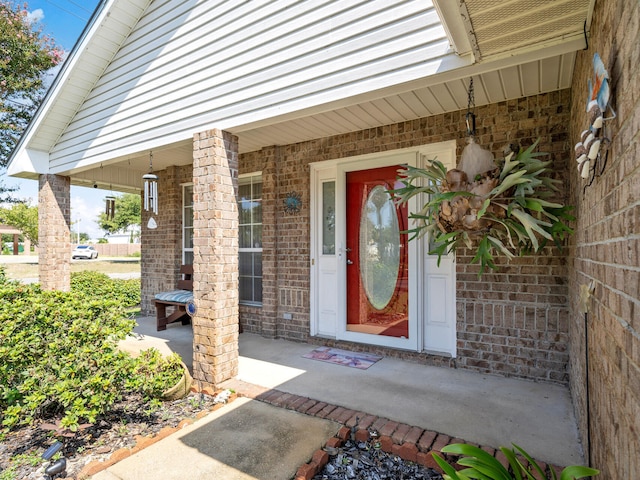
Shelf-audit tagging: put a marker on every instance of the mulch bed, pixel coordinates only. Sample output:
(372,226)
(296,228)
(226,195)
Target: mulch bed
(131,424)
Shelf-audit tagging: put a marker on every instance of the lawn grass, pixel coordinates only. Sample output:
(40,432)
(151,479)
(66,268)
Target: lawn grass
(20,271)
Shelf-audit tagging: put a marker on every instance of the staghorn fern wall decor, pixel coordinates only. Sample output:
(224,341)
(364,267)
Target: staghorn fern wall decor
(507,211)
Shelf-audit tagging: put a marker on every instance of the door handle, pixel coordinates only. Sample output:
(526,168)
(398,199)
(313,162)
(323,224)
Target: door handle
(349,262)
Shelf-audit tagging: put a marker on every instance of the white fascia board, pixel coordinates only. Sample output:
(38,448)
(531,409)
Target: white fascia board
(450,67)
(20,159)
(540,51)
(454,26)
(427,73)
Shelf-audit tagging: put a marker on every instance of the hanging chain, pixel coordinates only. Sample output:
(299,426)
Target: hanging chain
(470,117)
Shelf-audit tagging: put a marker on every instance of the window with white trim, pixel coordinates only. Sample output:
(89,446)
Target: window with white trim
(187,224)
(250,238)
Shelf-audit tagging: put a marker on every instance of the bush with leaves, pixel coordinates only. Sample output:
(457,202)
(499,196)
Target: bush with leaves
(59,355)
(515,215)
(100,285)
(482,466)
(155,373)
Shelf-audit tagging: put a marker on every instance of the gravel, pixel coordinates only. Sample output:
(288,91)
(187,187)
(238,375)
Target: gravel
(365,460)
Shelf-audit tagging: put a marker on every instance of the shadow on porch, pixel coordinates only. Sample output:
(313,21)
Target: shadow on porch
(483,409)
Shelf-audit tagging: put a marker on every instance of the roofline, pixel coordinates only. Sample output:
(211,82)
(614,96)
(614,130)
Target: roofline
(53,89)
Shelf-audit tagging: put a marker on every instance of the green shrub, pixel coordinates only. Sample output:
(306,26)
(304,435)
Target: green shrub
(100,286)
(155,373)
(59,356)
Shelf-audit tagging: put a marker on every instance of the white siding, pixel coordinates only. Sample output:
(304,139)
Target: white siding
(189,66)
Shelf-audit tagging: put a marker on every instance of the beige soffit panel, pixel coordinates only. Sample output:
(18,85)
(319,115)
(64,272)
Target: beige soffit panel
(502,27)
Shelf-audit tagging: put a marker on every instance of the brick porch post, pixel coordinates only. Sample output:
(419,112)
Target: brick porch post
(54,240)
(215,245)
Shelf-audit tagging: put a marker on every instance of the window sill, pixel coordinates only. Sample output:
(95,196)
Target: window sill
(250,304)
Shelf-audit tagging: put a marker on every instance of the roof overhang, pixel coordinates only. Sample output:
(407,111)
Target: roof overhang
(510,52)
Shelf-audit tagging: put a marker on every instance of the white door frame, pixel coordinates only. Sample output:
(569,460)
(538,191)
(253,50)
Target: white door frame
(328,319)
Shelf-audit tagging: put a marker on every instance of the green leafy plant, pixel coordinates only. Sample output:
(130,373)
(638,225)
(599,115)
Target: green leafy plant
(508,211)
(480,465)
(100,286)
(155,373)
(59,355)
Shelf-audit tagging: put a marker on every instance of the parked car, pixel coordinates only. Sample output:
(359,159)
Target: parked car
(84,251)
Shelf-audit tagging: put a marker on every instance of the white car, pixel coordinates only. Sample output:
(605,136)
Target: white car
(84,251)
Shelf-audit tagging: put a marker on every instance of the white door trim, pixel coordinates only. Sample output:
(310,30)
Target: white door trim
(419,277)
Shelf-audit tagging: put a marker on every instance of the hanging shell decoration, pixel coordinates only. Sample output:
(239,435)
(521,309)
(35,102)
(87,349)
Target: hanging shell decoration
(594,139)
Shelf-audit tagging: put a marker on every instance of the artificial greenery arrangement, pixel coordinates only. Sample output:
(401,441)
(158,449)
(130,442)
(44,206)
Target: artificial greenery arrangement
(507,210)
(480,465)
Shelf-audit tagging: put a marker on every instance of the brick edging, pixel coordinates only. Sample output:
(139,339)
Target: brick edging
(410,443)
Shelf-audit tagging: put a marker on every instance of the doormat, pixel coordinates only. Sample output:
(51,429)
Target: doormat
(343,357)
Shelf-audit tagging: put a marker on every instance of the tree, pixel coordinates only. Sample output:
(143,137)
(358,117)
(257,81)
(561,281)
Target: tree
(5,193)
(127,213)
(82,237)
(27,55)
(24,218)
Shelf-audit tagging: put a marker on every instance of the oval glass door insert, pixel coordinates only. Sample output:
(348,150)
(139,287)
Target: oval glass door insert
(379,247)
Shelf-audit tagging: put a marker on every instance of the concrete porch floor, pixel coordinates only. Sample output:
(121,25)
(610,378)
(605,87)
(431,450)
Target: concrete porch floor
(484,409)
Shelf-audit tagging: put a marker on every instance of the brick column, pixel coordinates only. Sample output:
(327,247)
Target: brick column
(54,240)
(215,244)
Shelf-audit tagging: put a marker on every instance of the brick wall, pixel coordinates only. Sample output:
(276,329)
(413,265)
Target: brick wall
(513,322)
(162,247)
(605,250)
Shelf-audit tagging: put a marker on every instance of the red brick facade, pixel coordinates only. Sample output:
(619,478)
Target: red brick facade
(513,322)
(523,320)
(606,250)
(161,250)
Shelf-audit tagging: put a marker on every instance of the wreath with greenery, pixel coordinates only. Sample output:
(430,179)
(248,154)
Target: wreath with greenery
(506,211)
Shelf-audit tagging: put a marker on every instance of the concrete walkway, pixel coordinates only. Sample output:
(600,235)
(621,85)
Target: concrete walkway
(249,435)
(244,440)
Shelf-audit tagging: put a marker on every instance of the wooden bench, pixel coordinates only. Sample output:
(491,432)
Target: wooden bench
(177,299)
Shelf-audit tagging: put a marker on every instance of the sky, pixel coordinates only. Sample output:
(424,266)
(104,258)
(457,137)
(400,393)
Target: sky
(64,21)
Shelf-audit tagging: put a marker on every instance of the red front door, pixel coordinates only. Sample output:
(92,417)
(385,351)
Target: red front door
(377,255)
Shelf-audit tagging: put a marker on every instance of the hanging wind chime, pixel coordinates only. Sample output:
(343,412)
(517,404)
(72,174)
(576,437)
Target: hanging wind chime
(110,207)
(151,192)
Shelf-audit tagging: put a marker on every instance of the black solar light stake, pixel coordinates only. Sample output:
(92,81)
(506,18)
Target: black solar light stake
(56,467)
